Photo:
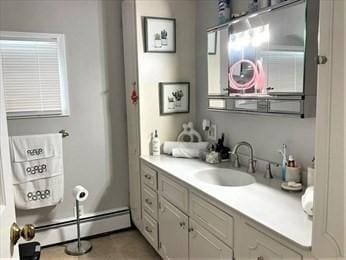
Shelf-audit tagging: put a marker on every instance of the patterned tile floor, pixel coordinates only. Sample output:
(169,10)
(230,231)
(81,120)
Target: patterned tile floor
(123,245)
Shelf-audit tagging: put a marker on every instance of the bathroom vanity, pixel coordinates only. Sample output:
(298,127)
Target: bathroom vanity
(266,62)
(189,214)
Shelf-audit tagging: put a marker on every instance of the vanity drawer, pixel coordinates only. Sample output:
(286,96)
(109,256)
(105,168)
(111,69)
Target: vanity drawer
(150,230)
(257,245)
(212,218)
(174,193)
(149,177)
(149,201)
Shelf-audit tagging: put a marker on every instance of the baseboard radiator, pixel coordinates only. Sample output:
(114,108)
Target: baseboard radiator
(91,224)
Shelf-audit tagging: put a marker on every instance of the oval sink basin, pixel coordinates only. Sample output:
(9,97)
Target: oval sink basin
(225,177)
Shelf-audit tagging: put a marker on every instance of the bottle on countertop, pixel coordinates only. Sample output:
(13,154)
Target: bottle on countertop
(253,6)
(291,161)
(311,174)
(155,144)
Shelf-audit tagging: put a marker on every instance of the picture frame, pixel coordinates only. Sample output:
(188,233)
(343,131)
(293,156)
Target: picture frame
(174,97)
(159,34)
(212,41)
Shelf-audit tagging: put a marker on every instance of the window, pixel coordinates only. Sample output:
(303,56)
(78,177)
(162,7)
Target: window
(34,74)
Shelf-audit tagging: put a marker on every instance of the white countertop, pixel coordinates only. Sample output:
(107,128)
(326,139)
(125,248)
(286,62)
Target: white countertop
(263,201)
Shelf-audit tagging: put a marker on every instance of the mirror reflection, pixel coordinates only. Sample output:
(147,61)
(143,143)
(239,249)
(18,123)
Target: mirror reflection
(265,54)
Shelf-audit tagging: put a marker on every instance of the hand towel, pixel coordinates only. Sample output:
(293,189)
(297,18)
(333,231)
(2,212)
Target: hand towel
(35,147)
(36,169)
(167,147)
(186,153)
(39,193)
(37,166)
(308,201)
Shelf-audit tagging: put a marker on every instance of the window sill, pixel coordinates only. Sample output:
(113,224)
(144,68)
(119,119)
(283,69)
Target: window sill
(36,116)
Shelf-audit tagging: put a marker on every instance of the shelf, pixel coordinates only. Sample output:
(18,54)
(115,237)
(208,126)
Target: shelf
(253,14)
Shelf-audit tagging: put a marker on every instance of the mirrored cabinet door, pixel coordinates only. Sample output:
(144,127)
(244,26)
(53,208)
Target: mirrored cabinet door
(218,62)
(267,51)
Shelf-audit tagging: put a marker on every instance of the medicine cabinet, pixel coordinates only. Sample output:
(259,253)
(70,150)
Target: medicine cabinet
(265,62)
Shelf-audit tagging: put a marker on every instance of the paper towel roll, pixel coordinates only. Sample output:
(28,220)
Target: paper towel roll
(80,193)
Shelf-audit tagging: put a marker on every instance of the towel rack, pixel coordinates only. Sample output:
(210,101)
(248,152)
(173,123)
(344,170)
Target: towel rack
(64,133)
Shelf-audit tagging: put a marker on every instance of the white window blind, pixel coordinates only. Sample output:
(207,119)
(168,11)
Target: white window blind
(33,75)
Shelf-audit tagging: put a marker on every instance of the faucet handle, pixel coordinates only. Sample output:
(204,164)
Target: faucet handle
(268,173)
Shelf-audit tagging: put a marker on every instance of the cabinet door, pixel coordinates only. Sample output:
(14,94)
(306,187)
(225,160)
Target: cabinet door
(173,231)
(204,245)
(256,245)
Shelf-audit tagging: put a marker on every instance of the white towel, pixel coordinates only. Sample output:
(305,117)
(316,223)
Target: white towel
(37,165)
(39,193)
(34,147)
(167,147)
(308,201)
(185,153)
(36,169)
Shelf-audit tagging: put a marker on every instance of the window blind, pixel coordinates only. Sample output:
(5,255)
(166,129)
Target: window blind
(31,77)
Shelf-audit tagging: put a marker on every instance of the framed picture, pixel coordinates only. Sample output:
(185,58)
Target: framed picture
(160,34)
(174,97)
(212,43)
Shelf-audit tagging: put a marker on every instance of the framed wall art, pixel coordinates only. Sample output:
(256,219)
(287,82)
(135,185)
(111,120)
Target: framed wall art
(174,97)
(160,34)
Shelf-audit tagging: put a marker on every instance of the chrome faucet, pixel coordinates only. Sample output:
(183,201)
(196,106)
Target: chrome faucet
(234,152)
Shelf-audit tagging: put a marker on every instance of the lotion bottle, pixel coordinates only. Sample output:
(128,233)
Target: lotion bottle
(155,144)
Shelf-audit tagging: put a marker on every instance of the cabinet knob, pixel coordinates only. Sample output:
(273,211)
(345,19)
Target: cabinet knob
(191,230)
(148,229)
(322,60)
(148,202)
(260,258)
(182,224)
(147,176)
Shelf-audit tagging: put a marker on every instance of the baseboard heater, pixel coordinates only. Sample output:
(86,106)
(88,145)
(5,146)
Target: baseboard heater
(91,224)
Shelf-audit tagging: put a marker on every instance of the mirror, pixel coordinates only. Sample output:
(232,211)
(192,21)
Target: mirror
(218,62)
(265,54)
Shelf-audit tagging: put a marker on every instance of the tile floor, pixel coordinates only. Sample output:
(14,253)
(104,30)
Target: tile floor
(123,245)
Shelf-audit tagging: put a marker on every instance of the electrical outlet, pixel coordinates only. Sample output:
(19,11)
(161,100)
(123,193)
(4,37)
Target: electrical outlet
(212,135)
(81,211)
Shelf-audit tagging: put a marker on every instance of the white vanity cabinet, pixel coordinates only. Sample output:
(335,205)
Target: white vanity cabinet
(256,245)
(204,245)
(173,231)
(184,223)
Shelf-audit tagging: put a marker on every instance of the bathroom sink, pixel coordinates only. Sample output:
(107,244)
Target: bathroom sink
(225,177)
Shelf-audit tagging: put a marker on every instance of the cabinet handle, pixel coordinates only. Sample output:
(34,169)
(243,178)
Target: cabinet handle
(148,202)
(182,224)
(191,230)
(148,229)
(147,176)
(260,258)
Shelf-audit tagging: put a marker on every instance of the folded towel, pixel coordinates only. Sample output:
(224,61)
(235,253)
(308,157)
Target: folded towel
(186,153)
(39,193)
(37,166)
(167,147)
(308,201)
(36,169)
(34,147)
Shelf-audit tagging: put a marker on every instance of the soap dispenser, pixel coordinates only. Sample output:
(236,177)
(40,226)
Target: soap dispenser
(155,144)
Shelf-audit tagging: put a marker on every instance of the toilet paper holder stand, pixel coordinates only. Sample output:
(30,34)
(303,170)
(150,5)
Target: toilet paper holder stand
(79,247)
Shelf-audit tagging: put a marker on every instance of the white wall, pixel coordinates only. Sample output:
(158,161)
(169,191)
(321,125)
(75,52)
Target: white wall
(95,154)
(165,67)
(265,133)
